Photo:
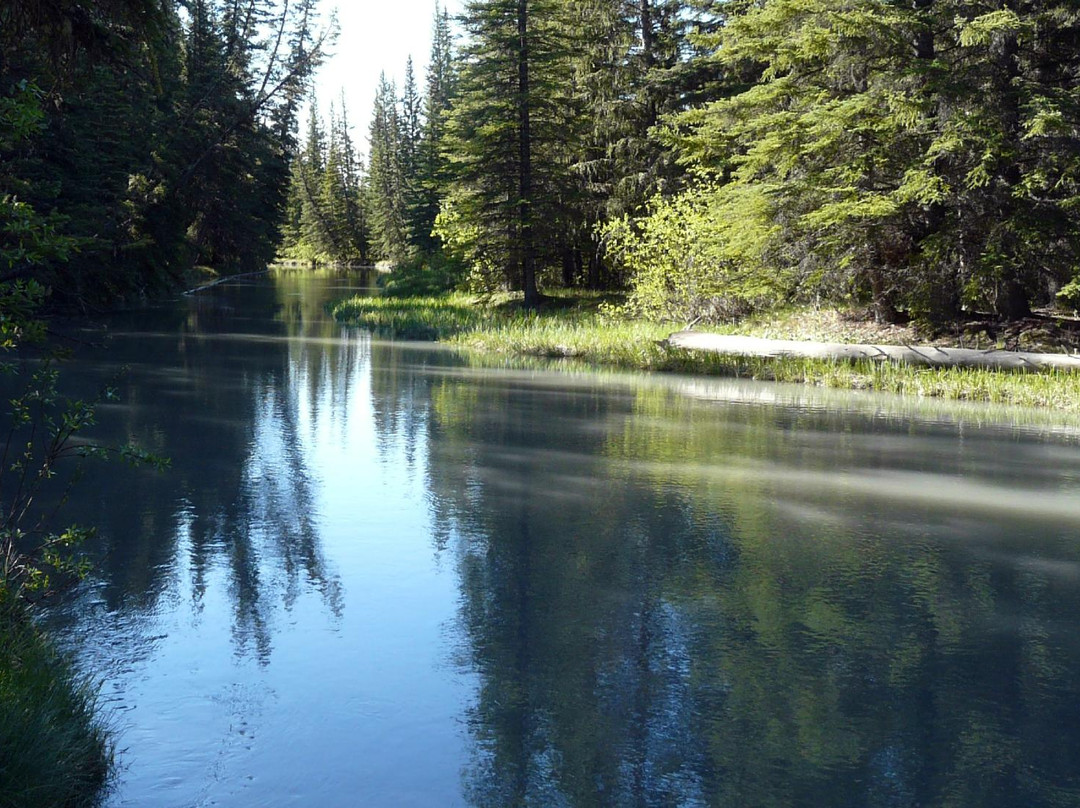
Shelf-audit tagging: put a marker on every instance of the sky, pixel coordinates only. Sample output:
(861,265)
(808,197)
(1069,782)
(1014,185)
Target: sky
(375,35)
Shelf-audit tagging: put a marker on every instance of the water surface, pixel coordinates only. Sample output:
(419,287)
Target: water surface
(384,575)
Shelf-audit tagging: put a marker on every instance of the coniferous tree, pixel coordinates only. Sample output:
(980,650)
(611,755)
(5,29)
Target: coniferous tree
(167,135)
(325,218)
(909,155)
(409,160)
(357,236)
(506,210)
(386,192)
(630,72)
(316,229)
(431,168)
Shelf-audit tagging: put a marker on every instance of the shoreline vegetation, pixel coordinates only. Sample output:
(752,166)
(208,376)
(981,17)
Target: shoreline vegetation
(55,749)
(589,328)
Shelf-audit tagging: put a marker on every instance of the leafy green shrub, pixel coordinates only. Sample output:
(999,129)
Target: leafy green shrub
(424,275)
(703,254)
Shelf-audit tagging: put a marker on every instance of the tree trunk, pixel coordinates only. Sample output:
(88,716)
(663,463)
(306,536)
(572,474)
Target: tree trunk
(525,189)
(943,305)
(567,267)
(1013,298)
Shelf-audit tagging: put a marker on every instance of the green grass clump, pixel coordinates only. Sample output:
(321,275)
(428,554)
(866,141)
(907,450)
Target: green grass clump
(578,328)
(53,751)
(422,318)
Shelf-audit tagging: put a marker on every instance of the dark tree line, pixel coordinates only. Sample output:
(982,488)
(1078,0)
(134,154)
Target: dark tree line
(161,139)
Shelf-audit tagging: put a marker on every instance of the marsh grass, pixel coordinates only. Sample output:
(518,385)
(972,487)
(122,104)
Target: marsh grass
(421,318)
(53,750)
(580,328)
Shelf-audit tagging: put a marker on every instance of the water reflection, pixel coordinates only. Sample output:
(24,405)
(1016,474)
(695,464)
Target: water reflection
(672,603)
(565,590)
(235,417)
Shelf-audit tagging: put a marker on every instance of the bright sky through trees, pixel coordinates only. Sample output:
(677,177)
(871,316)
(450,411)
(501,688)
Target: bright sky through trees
(375,37)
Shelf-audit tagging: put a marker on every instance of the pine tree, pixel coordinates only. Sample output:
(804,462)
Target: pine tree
(386,191)
(431,168)
(514,110)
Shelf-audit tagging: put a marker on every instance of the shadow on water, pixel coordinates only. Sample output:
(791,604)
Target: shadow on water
(657,621)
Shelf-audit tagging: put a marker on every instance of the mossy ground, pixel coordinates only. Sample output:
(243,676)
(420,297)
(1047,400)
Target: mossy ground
(589,328)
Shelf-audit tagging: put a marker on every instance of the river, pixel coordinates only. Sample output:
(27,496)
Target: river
(383,574)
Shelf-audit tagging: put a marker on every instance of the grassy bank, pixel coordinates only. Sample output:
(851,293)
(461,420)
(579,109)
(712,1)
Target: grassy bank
(54,752)
(580,328)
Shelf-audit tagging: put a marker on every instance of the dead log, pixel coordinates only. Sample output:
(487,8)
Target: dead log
(926,355)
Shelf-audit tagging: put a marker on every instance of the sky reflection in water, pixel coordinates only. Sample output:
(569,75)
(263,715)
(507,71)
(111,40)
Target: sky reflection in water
(379,575)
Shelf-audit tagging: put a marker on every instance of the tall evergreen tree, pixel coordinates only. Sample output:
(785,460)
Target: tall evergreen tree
(513,112)
(167,134)
(325,219)
(386,190)
(357,234)
(431,168)
(914,155)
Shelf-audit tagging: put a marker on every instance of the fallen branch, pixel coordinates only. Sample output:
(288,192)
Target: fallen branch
(225,279)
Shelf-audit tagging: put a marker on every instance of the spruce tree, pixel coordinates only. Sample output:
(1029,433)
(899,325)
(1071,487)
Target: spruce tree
(431,167)
(916,156)
(357,236)
(386,190)
(514,110)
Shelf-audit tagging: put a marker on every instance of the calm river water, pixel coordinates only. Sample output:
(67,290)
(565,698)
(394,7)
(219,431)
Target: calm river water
(380,575)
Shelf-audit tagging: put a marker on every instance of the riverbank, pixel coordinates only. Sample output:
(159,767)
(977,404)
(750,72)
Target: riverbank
(54,750)
(589,328)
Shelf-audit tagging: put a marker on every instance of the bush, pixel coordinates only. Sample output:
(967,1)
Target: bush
(704,254)
(425,276)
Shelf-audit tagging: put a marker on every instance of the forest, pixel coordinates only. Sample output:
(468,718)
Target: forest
(711,159)
(719,158)
(139,139)
(669,162)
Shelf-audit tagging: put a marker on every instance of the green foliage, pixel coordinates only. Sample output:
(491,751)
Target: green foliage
(325,215)
(431,274)
(586,329)
(919,157)
(149,171)
(707,253)
(506,207)
(41,425)
(421,318)
(54,751)
(432,164)
(387,186)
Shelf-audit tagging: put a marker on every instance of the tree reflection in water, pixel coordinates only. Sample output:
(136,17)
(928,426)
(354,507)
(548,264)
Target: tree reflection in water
(673,604)
(239,410)
(664,600)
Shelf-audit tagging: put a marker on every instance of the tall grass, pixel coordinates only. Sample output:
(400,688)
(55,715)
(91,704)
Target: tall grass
(582,331)
(421,318)
(54,752)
